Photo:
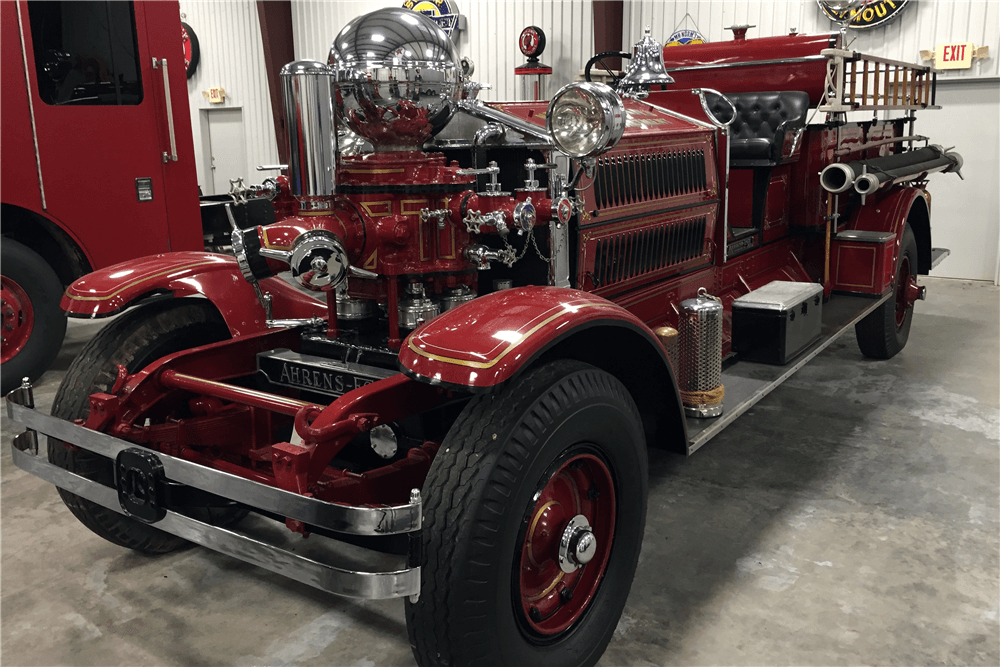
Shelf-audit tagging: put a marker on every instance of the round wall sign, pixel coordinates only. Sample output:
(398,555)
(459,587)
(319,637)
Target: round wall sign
(192,51)
(532,42)
(864,14)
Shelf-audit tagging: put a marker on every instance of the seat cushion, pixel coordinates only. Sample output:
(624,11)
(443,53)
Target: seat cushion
(750,149)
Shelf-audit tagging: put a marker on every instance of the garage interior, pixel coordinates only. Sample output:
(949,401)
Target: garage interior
(852,516)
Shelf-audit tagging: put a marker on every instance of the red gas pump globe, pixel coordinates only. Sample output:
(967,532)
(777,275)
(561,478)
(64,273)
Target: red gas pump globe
(192,50)
(532,73)
(532,42)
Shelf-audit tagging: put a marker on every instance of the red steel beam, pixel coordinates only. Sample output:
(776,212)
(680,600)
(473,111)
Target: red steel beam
(279,50)
(608,28)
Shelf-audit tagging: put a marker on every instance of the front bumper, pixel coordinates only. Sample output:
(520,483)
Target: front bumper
(337,567)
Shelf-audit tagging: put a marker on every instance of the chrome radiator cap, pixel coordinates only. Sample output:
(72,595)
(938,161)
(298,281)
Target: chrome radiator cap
(397,78)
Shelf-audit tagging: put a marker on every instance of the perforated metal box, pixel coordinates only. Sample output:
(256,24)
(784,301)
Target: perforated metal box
(774,324)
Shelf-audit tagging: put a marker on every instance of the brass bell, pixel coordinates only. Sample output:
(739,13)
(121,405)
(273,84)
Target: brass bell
(646,68)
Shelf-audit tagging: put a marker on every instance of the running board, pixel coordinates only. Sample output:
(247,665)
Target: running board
(938,255)
(747,382)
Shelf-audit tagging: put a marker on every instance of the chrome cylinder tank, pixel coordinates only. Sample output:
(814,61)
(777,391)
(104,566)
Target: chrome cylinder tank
(306,87)
(699,376)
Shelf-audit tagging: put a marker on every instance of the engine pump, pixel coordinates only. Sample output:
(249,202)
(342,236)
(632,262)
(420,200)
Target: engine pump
(400,230)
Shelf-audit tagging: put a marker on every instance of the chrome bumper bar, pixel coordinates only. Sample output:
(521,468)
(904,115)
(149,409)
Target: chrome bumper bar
(340,568)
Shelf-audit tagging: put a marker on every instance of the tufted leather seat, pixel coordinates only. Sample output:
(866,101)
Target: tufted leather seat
(762,120)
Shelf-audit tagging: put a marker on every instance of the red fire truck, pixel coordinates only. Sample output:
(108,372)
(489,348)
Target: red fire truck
(91,173)
(446,358)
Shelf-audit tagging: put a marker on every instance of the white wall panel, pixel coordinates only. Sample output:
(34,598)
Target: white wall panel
(490,40)
(232,56)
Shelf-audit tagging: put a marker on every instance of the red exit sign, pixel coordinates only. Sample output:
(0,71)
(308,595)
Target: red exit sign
(953,56)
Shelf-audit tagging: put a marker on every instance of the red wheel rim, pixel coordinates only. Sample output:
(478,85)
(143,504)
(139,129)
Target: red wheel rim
(552,600)
(17,316)
(903,302)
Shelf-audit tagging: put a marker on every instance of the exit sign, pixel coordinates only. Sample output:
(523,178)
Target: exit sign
(953,56)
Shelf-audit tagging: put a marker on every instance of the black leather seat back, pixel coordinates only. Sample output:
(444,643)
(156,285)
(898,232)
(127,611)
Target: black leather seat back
(762,120)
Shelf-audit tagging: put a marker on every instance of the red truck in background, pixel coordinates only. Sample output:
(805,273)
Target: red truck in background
(97,162)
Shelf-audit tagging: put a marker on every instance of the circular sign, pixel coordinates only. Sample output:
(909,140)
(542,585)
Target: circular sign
(531,42)
(863,14)
(192,51)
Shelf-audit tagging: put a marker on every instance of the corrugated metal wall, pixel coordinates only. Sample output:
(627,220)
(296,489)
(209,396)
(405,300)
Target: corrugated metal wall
(490,40)
(921,25)
(232,56)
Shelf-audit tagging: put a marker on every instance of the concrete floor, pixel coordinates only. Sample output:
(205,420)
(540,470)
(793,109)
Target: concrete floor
(850,518)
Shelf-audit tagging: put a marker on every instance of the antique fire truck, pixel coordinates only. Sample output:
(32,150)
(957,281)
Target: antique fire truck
(445,360)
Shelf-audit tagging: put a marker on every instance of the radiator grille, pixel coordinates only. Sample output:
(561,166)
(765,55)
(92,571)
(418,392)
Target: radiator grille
(638,252)
(628,179)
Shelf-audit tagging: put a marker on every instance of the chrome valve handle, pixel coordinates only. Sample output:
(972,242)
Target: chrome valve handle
(493,187)
(531,167)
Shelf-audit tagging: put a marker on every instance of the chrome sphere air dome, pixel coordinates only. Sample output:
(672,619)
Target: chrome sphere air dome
(397,78)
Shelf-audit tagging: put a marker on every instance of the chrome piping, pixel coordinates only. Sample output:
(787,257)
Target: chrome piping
(488,131)
(748,63)
(401,581)
(480,110)
(700,92)
(558,232)
(389,520)
(31,105)
(170,112)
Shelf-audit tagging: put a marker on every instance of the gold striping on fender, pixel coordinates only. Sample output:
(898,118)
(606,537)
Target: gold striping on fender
(493,362)
(373,171)
(136,282)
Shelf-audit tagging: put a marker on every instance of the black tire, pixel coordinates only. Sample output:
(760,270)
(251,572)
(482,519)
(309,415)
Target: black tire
(880,335)
(134,340)
(39,283)
(479,496)
(599,59)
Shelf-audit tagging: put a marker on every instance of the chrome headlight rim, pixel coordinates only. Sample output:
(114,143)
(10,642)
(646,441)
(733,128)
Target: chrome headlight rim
(602,98)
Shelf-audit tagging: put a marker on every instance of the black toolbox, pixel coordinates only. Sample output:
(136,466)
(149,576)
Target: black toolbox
(774,324)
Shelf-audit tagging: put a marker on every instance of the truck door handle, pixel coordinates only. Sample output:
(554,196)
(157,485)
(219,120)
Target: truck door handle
(170,113)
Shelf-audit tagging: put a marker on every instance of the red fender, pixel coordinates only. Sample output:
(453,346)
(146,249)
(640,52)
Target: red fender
(217,277)
(488,340)
(889,213)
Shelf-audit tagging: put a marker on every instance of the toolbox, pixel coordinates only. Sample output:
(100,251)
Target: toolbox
(774,324)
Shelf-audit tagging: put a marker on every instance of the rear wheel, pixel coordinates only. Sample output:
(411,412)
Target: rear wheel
(134,340)
(533,519)
(31,322)
(884,331)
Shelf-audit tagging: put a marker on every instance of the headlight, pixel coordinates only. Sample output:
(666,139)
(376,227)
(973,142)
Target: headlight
(585,119)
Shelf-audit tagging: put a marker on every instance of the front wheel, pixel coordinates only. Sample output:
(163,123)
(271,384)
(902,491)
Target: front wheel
(32,325)
(134,340)
(884,331)
(534,513)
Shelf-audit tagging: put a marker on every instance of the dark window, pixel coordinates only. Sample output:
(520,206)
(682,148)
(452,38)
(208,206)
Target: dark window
(86,52)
